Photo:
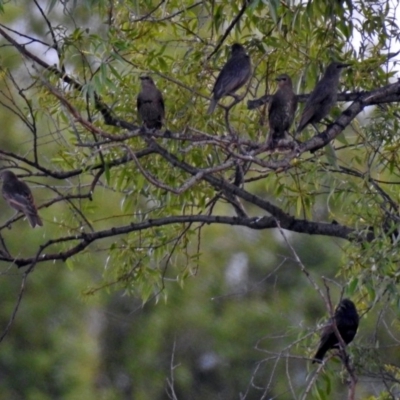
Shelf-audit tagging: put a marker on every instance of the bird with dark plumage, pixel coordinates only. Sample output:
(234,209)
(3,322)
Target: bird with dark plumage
(323,97)
(150,104)
(281,110)
(19,196)
(234,74)
(346,319)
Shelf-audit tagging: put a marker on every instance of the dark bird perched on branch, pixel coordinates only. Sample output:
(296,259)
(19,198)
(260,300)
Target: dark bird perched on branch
(150,104)
(19,196)
(323,97)
(281,110)
(235,73)
(346,319)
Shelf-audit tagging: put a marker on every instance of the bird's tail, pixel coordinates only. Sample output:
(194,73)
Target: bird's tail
(212,106)
(34,220)
(270,143)
(298,130)
(153,124)
(319,356)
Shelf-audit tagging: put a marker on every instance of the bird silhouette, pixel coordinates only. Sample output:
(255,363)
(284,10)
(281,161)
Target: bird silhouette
(323,97)
(282,108)
(346,319)
(150,104)
(234,74)
(19,196)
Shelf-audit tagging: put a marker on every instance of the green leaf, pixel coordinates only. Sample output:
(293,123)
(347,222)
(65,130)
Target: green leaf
(330,154)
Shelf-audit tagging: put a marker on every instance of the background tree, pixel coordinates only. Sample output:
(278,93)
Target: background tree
(198,225)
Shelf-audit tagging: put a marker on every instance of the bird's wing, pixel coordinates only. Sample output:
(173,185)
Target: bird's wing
(232,76)
(273,104)
(320,92)
(306,116)
(161,103)
(317,96)
(349,333)
(139,102)
(293,104)
(21,201)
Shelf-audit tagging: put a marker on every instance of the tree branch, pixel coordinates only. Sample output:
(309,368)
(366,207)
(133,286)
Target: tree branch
(85,239)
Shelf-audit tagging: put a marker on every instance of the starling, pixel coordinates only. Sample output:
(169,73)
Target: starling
(346,318)
(235,73)
(19,196)
(150,104)
(323,97)
(281,110)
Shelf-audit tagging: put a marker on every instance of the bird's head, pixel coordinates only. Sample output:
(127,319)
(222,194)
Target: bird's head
(335,68)
(284,80)
(7,175)
(147,80)
(237,48)
(347,306)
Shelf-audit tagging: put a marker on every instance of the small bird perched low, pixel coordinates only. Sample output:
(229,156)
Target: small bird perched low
(150,104)
(282,108)
(323,97)
(19,196)
(234,74)
(346,319)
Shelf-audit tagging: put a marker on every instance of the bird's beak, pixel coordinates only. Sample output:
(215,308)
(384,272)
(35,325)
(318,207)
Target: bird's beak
(344,65)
